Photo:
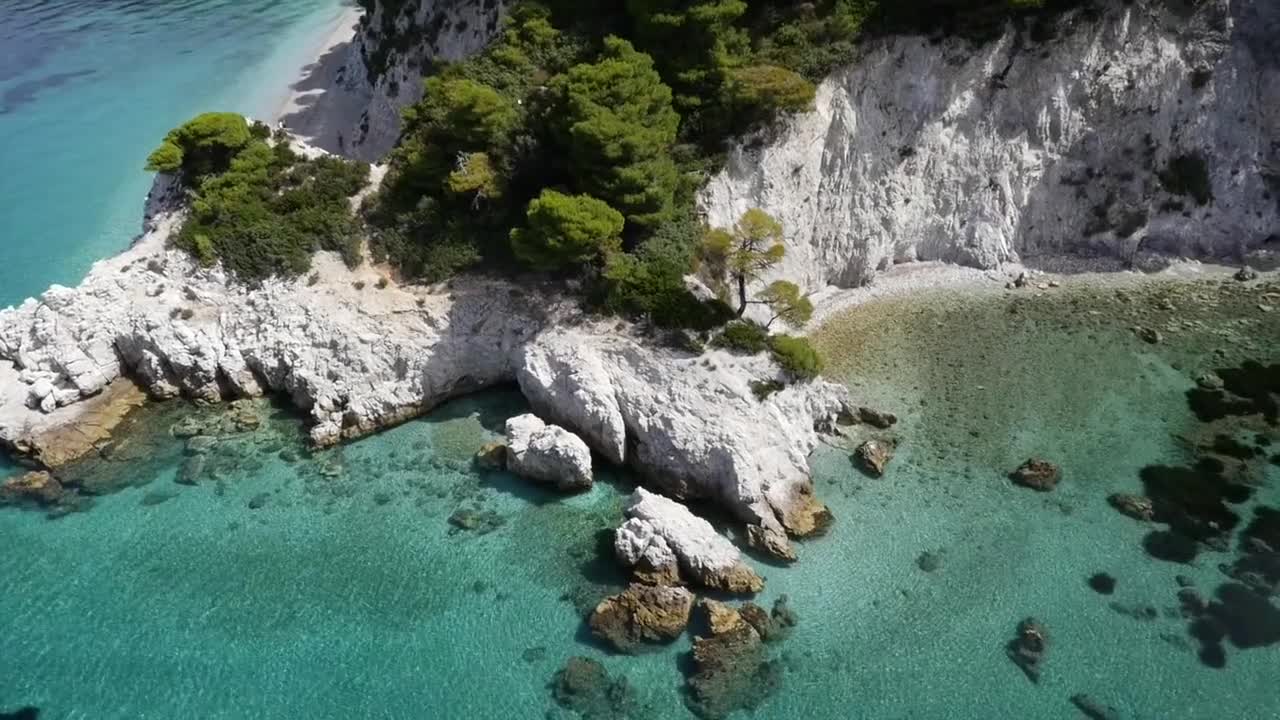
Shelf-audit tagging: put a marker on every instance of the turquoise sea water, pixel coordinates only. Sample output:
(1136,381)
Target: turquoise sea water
(332,585)
(88,88)
(291,584)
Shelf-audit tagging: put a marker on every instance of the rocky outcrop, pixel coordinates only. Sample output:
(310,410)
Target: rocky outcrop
(731,670)
(1145,126)
(394,46)
(640,615)
(547,453)
(659,529)
(358,355)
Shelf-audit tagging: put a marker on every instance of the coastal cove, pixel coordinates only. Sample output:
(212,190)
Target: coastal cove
(950,390)
(282,554)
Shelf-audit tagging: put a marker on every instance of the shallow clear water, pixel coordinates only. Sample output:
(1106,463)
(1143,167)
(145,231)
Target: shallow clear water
(288,584)
(88,88)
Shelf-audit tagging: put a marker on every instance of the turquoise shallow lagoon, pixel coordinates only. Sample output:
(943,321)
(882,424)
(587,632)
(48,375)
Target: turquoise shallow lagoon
(334,584)
(88,88)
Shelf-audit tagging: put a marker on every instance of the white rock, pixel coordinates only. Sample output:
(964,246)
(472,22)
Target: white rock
(705,556)
(547,453)
(1018,148)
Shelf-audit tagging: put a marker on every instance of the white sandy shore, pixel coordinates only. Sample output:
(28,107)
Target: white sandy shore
(326,98)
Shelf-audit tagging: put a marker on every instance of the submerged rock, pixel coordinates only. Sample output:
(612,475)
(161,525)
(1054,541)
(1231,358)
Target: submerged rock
(548,454)
(1148,335)
(642,614)
(1102,583)
(704,556)
(492,456)
(874,455)
(585,687)
(1135,506)
(1093,709)
(1037,474)
(774,625)
(877,418)
(929,561)
(1028,648)
(731,669)
(38,488)
(480,522)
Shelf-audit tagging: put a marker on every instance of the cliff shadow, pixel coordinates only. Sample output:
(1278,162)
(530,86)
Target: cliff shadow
(325,105)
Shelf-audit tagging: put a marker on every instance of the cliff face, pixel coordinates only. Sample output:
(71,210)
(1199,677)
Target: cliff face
(1141,128)
(397,42)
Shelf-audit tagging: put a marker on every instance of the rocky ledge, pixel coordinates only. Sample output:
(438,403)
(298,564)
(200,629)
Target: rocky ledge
(358,352)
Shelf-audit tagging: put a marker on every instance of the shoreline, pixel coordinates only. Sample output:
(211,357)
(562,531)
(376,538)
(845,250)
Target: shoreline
(320,102)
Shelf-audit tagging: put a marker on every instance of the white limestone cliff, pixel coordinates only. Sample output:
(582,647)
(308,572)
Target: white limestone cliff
(943,150)
(400,49)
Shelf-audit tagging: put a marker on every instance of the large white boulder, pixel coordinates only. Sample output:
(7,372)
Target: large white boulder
(658,527)
(547,453)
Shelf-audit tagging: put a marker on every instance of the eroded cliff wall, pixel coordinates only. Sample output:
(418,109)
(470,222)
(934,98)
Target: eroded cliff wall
(396,45)
(1152,125)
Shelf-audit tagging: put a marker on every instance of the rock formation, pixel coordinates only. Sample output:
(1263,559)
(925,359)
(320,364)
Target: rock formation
(731,670)
(357,358)
(1037,474)
(1027,650)
(642,614)
(874,455)
(382,70)
(547,453)
(704,556)
(1139,126)
(38,488)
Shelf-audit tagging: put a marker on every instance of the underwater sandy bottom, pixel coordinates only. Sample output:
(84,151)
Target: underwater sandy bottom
(332,585)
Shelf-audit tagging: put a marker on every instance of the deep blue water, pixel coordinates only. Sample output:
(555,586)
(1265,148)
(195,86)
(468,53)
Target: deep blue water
(88,87)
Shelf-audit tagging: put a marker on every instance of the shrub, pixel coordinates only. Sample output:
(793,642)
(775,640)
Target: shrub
(204,145)
(796,356)
(264,210)
(762,389)
(743,336)
(563,230)
(1188,175)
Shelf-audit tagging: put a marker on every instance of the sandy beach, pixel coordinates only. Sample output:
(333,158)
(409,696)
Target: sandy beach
(324,101)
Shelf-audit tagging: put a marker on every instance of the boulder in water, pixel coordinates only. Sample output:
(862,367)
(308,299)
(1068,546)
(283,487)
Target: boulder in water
(547,453)
(1135,506)
(704,556)
(1028,648)
(36,488)
(731,670)
(1037,474)
(642,614)
(874,455)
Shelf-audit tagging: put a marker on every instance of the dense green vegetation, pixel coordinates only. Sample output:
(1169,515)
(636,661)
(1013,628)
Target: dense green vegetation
(257,206)
(573,145)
